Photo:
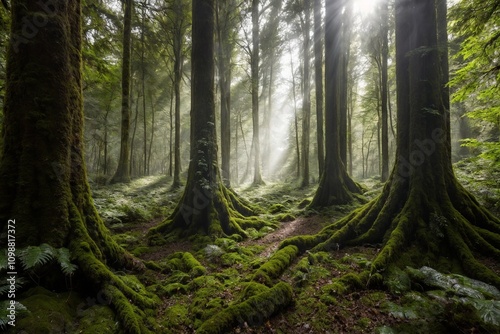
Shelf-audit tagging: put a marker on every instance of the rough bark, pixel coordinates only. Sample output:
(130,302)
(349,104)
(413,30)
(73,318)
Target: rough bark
(423,214)
(122,173)
(43,181)
(384,31)
(335,186)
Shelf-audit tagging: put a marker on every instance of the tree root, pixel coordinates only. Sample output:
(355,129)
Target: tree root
(445,229)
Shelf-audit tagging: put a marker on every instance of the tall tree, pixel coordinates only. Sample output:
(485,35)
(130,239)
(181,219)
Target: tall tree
(179,27)
(384,35)
(306,101)
(42,170)
(255,61)
(318,79)
(122,173)
(423,214)
(335,186)
(206,205)
(225,30)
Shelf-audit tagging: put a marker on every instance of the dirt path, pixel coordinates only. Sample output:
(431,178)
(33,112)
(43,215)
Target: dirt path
(300,226)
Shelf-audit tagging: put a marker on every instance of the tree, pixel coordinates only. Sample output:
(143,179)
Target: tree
(423,214)
(318,79)
(225,36)
(206,205)
(384,31)
(335,186)
(306,102)
(122,173)
(255,61)
(42,170)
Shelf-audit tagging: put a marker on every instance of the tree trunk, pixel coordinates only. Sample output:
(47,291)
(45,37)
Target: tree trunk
(295,116)
(306,102)
(257,178)
(224,51)
(335,186)
(384,17)
(423,214)
(206,206)
(122,173)
(43,180)
(318,75)
(344,48)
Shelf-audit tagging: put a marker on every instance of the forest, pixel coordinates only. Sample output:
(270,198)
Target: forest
(249,166)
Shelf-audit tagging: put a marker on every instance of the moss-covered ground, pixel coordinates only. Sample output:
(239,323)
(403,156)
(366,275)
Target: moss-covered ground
(230,285)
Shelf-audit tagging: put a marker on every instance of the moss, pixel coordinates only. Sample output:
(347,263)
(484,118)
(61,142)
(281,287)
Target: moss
(174,288)
(252,289)
(275,266)
(277,208)
(141,251)
(253,311)
(176,316)
(187,263)
(48,312)
(229,259)
(304,203)
(97,319)
(285,217)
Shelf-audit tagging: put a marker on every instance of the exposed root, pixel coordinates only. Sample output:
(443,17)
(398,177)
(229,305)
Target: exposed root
(441,230)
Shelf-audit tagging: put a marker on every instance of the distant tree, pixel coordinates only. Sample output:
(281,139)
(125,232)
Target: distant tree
(122,173)
(423,214)
(43,181)
(318,79)
(335,185)
(206,205)
(254,67)
(306,101)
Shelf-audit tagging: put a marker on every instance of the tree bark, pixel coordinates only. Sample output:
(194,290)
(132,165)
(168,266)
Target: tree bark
(257,178)
(318,75)
(122,173)
(43,180)
(335,186)
(206,205)
(384,17)
(306,102)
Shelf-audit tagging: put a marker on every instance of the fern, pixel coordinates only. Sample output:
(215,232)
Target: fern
(4,304)
(34,256)
(63,257)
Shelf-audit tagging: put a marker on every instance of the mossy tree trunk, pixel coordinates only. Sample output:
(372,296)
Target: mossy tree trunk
(423,216)
(122,173)
(206,205)
(335,186)
(43,182)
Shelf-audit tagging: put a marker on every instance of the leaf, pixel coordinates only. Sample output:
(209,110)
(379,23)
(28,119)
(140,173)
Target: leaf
(33,256)
(63,257)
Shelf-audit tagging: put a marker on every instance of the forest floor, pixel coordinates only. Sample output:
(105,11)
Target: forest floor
(189,298)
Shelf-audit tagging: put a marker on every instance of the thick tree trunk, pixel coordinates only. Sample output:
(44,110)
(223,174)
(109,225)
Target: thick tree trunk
(43,181)
(384,7)
(423,214)
(177,109)
(122,173)
(257,178)
(206,206)
(335,186)
(306,102)
(318,75)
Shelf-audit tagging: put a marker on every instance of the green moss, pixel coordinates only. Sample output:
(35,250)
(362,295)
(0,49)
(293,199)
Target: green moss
(276,265)
(254,311)
(186,262)
(285,217)
(174,288)
(252,289)
(229,259)
(277,208)
(97,319)
(176,316)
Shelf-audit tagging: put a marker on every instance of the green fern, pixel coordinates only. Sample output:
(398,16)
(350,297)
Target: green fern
(4,304)
(34,256)
(63,257)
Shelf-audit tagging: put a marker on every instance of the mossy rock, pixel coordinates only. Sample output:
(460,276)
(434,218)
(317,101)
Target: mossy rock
(276,265)
(253,311)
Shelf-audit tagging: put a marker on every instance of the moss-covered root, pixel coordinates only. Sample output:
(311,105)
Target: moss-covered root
(128,303)
(253,311)
(275,266)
